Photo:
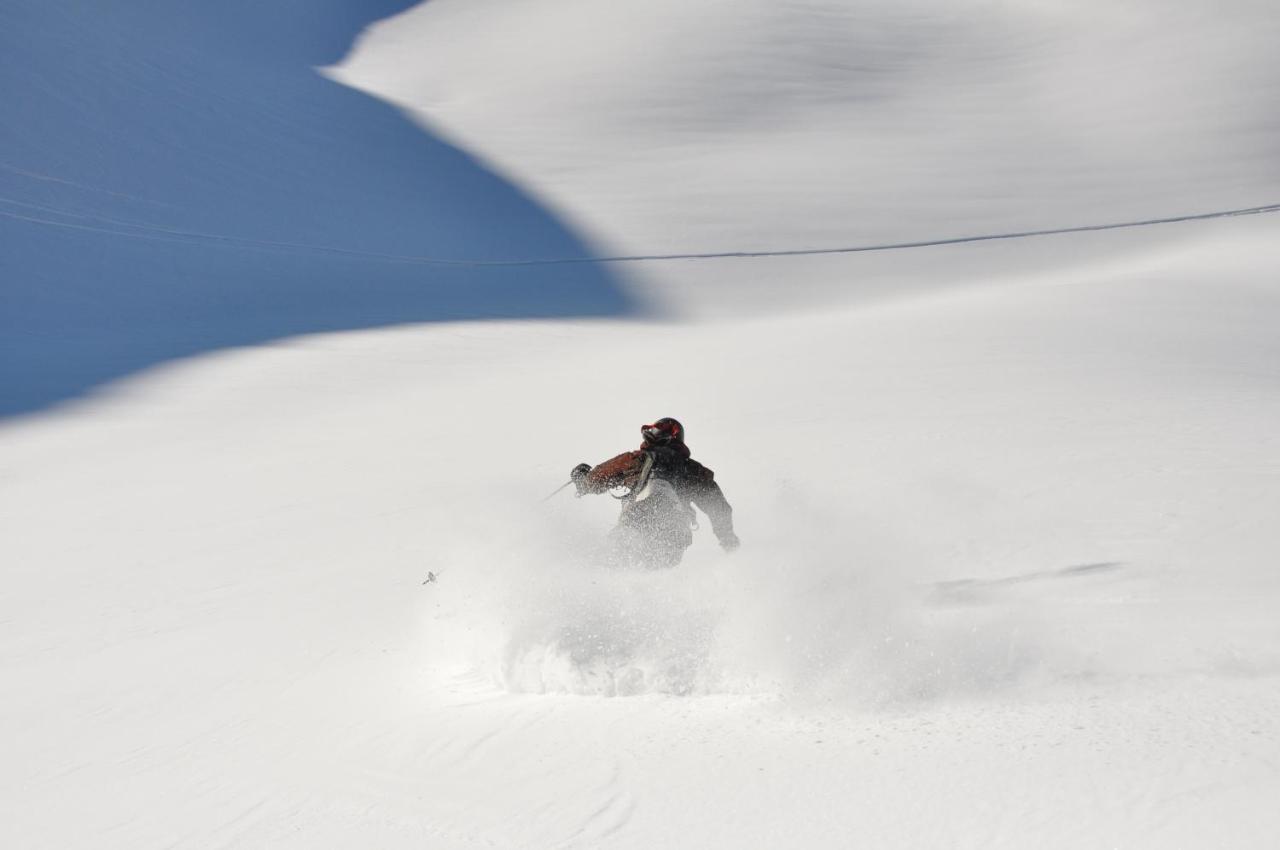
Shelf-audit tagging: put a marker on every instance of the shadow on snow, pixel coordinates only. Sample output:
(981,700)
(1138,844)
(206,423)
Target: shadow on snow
(136,131)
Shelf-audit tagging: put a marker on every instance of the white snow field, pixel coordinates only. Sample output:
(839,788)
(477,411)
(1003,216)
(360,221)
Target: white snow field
(1010,571)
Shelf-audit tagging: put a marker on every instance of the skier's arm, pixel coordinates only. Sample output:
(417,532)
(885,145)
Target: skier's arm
(611,473)
(706,494)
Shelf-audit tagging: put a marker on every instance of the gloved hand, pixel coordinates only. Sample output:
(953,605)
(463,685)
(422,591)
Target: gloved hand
(730,542)
(578,473)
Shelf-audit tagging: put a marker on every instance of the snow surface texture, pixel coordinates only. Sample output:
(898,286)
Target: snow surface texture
(1008,574)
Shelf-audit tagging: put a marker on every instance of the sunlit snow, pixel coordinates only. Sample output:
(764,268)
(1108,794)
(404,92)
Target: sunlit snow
(1008,566)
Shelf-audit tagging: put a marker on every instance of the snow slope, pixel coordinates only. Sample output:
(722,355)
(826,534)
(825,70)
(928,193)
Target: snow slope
(667,126)
(1008,567)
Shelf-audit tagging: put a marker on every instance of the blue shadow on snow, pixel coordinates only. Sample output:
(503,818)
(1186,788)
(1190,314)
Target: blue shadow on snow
(134,132)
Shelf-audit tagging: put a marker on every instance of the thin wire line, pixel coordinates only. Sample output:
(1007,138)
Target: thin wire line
(144,231)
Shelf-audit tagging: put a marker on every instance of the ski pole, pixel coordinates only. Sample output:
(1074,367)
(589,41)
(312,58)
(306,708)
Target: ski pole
(557,490)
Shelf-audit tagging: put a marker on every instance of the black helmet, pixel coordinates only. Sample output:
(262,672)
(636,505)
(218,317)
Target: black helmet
(662,432)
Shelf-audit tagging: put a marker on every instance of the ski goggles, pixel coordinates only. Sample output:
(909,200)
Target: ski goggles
(657,433)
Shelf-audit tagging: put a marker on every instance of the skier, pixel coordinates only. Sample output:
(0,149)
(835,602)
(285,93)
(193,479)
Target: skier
(656,485)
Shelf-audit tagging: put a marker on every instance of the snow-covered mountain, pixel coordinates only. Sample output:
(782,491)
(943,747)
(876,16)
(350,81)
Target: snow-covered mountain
(1008,565)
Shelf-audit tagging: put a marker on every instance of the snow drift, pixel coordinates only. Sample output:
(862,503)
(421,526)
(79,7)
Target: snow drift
(726,126)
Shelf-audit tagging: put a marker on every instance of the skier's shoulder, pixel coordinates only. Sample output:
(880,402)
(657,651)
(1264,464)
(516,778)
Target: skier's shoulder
(682,464)
(699,472)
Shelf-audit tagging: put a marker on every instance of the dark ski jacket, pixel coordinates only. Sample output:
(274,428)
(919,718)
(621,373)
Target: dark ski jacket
(693,482)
